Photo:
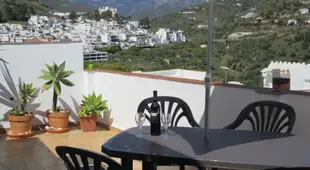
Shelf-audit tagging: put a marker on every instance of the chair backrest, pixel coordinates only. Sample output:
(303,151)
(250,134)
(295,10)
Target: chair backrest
(267,116)
(66,153)
(176,106)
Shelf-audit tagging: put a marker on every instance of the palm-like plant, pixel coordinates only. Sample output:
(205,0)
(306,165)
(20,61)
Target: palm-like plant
(55,75)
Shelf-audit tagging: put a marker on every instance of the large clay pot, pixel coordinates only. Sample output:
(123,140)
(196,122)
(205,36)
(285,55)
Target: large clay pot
(88,123)
(58,119)
(21,124)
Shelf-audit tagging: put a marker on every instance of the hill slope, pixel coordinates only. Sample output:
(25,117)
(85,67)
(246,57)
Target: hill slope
(134,8)
(20,10)
(245,56)
(68,6)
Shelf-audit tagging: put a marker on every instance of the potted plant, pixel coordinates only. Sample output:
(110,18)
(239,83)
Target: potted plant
(20,119)
(92,106)
(55,76)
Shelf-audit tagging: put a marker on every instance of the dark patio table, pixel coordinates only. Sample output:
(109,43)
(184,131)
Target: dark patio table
(226,148)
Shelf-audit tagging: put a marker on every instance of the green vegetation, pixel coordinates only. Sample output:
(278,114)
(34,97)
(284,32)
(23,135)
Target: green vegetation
(272,40)
(145,23)
(73,15)
(92,105)
(55,75)
(26,93)
(107,15)
(20,10)
(110,49)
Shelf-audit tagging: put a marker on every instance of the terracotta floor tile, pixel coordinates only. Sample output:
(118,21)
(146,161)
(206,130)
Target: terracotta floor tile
(57,167)
(3,167)
(20,163)
(47,163)
(38,152)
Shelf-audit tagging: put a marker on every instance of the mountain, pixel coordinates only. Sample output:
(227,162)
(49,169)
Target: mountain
(134,8)
(68,6)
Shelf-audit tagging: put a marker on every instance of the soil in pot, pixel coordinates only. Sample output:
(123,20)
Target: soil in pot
(58,120)
(21,124)
(88,123)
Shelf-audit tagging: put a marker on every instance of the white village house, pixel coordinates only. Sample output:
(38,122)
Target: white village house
(298,74)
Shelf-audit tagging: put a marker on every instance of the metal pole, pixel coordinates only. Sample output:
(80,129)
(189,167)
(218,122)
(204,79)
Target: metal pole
(208,69)
(225,76)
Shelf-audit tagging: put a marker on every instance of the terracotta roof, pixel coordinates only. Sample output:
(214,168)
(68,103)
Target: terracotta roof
(33,41)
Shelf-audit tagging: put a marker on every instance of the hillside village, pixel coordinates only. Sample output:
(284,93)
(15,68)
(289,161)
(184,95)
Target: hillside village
(248,35)
(94,34)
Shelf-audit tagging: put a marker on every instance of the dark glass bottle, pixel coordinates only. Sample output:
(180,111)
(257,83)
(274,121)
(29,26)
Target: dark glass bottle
(155,116)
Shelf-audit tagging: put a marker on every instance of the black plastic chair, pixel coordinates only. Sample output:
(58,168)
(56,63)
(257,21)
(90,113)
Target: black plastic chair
(265,116)
(66,153)
(169,102)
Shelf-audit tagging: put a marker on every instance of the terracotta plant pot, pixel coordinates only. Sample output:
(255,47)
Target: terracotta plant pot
(21,124)
(88,123)
(58,120)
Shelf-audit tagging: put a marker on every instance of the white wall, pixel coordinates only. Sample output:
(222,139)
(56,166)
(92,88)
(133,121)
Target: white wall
(26,61)
(124,93)
(180,73)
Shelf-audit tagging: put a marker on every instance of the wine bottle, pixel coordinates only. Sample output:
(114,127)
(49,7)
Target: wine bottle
(155,116)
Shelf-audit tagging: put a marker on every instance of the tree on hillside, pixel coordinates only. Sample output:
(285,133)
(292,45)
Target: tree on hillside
(96,15)
(73,15)
(145,22)
(107,14)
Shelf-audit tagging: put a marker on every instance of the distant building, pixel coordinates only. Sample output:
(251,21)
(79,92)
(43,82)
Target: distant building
(105,8)
(95,56)
(292,22)
(296,76)
(134,23)
(237,35)
(165,36)
(304,10)
(248,15)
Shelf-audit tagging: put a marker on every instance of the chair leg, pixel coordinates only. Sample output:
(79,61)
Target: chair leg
(201,168)
(126,163)
(148,165)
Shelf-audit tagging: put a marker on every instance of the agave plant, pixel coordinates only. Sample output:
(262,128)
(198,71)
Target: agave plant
(26,93)
(92,105)
(55,75)
(17,111)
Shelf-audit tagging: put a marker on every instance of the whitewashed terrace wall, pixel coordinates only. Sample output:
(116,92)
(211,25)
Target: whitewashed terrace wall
(125,92)
(25,61)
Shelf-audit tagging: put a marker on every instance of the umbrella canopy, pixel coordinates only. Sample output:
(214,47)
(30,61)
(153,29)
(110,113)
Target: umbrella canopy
(208,69)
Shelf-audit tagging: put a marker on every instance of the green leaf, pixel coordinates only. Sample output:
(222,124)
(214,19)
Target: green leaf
(57,88)
(66,74)
(46,77)
(67,82)
(47,85)
(62,67)
(50,69)
(45,72)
